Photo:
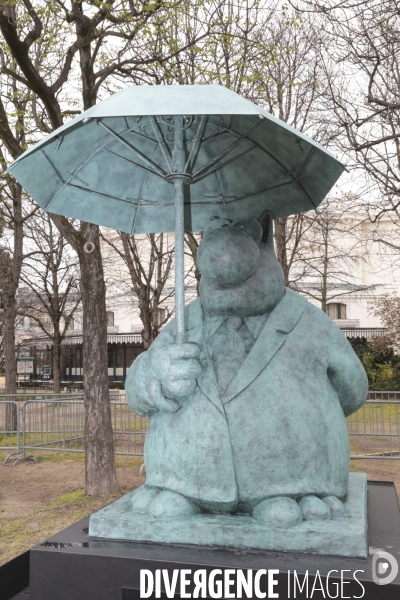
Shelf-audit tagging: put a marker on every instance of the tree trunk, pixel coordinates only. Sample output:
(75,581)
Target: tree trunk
(280,245)
(9,343)
(13,272)
(57,359)
(147,329)
(324,286)
(10,360)
(100,469)
(193,246)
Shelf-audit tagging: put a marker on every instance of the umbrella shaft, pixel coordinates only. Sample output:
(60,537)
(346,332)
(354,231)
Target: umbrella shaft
(179,262)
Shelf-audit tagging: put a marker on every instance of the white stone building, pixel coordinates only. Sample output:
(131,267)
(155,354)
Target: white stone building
(374,270)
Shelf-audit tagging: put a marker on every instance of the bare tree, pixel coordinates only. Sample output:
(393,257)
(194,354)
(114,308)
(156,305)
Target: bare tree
(292,86)
(387,309)
(13,215)
(331,251)
(48,48)
(192,241)
(51,272)
(148,259)
(272,56)
(364,98)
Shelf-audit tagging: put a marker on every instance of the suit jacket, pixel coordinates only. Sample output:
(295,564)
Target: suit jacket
(279,429)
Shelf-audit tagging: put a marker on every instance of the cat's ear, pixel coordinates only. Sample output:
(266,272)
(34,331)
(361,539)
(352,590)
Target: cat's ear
(265,220)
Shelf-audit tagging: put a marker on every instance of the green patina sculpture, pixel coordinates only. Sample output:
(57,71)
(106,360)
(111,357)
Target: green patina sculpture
(248,388)
(247,416)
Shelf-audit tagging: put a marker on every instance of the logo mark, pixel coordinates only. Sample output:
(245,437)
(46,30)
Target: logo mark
(384,568)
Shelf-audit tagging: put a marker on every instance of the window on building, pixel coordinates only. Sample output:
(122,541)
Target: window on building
(110,318)
(131,353)
(45,320)
(160,316)
(336,310)
(119,357)
(110,356)
(130,356)
(71,325)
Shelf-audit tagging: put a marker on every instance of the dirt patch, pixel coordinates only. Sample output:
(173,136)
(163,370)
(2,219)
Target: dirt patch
(379,470)
(39,499)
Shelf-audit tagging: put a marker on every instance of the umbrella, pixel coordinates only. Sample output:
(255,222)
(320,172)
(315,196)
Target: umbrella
(168,158)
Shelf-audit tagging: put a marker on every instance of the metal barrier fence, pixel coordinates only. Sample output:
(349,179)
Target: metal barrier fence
(53,425)
(374,430)
(57,424)
(10,438)
(40,396)
(385,396)
(129,429)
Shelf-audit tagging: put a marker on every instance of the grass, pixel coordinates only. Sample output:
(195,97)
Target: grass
(73,500)
(376,414)
(19,534)
(58,457)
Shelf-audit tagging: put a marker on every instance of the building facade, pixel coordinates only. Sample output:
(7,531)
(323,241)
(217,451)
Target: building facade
(371,273)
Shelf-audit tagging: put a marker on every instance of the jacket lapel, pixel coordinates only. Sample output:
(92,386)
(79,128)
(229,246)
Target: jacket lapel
(272,336)
(194,329)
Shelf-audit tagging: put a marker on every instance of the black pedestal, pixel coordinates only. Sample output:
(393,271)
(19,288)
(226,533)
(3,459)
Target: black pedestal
(69,566)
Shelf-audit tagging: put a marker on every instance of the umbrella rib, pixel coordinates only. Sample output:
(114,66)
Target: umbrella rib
(134,130)
(161,143)
(211,172)
(71,175)
(195,140)
(300,172)
(222,195)
(53,166)
(294,179)
(268,189)
(140,198)
(226,150)
(226,130)
(217,135)
(132,148)
(132,162)
(78,187)
(220,166)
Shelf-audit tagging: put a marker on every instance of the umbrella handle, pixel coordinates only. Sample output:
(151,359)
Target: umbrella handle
(178,165)
(179,263)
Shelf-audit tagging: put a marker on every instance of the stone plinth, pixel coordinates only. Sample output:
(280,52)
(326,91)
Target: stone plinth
(345,536)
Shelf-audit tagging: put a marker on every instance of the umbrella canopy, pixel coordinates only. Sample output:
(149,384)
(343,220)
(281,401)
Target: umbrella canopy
(163,158)
(112,164)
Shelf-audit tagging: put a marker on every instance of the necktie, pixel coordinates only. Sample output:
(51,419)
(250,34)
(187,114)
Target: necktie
(228,350)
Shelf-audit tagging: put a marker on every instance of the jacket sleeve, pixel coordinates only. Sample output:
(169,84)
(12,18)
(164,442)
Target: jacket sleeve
(345,372)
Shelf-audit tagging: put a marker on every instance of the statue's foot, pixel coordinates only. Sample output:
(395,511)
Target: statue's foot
(162,503)
(278,512)
(171,504)
(142,497)
(336,506)
(317,509)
